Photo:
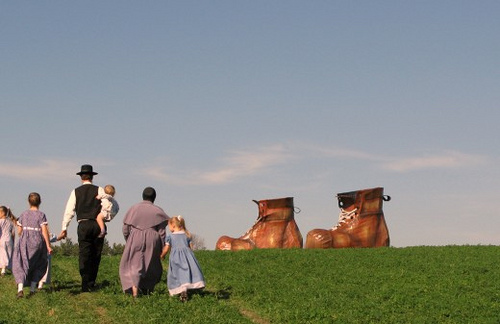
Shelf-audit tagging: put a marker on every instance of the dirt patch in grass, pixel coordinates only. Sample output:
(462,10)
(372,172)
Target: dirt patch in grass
(254,317)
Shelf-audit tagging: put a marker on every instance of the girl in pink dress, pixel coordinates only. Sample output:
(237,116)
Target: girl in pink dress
(7,235)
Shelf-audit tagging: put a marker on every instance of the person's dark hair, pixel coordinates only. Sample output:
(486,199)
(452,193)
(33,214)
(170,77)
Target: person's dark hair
(149,194)
(8,213)
(34,199)
(87,176)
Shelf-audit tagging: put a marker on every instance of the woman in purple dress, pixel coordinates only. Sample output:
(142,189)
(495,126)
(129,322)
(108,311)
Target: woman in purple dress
(30,255)
(144,232)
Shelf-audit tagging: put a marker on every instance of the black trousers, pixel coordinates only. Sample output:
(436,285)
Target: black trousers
(90,249)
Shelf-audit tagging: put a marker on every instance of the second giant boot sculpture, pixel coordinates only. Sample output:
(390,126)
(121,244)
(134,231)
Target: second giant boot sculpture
(361,222)
(274,228)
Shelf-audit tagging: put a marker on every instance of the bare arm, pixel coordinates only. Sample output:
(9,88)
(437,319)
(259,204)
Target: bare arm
(165,250)
(45,234)
(13,232)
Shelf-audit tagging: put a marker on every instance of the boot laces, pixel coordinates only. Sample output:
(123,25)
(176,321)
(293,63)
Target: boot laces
(247,233)
(344,216)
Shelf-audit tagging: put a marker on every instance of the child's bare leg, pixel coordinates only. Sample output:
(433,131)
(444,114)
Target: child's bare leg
(100,222)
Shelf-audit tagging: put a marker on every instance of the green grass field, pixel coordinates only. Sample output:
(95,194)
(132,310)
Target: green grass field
(449,284)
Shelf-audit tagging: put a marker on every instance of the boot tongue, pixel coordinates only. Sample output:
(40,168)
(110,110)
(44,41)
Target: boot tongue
(346,199)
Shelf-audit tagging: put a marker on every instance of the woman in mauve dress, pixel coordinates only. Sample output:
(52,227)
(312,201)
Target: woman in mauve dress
(144,232)
(7,235)
(29,263)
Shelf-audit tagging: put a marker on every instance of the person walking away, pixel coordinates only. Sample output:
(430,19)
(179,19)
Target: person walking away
(83,201)
(184,272)
(144,230)
(47,278)
(7,236)
(30,255)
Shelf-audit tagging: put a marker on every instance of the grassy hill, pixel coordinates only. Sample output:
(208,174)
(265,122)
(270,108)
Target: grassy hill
(449,284)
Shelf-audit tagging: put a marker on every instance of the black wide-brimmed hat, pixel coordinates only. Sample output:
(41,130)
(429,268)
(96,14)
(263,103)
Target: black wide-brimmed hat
(87,169)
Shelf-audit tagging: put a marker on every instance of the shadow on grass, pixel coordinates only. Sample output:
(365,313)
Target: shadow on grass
(200,293)
(75,287)
(219,294)
(65,285)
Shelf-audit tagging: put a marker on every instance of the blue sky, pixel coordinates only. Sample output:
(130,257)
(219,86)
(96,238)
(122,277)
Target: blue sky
(217,103)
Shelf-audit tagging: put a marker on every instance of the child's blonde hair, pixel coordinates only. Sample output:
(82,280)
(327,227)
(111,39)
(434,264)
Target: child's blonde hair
(180,223)
(110,190)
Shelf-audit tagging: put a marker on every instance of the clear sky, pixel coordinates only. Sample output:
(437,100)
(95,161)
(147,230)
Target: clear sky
(218,103)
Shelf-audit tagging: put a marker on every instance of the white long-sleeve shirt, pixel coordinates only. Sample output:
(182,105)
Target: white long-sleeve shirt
(69,211)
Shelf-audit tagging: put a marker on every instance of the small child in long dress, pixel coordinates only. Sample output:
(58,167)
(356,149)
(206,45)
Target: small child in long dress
(29,263)
(7,235)
(184,272)
(47,278)
(109,208)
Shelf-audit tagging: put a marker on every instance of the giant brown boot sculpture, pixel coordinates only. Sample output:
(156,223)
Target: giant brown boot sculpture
(274,228)
(361,222)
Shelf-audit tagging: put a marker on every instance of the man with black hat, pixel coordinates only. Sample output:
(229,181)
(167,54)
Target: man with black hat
(84,203)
